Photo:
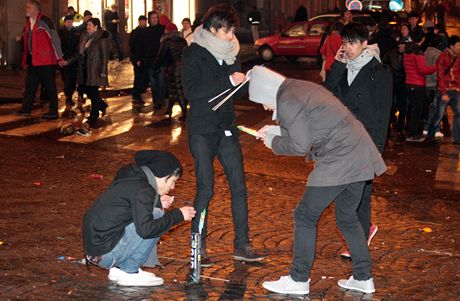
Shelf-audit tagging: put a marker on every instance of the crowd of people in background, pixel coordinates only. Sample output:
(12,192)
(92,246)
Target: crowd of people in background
(422,60)
(82,54)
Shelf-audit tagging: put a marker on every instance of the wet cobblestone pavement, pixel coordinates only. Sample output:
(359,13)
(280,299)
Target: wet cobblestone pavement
(46,186)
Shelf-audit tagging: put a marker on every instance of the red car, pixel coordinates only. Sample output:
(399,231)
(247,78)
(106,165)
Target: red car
(299,39)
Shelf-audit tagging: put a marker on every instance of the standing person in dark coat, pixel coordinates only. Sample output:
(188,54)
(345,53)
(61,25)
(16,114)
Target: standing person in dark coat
(92,71)
(111,21)
(254,18)
(136,47)
(69,44)
(122,227)
(365,87)
(394,59)
(313,123)
(211,66)
(152,38)
(170,58)
(301,14)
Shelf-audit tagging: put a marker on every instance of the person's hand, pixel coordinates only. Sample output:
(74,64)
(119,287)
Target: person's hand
(138,63)
(63,63)
(445,98)
(115,21)
(166,201)
(274,130)
(188,212)
(340,56)
(238,77)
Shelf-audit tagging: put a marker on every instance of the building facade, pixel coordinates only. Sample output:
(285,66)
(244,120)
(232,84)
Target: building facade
(276,14)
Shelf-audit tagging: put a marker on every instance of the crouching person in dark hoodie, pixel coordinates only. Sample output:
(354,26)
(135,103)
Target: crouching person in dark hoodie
(314,123)
(122,227)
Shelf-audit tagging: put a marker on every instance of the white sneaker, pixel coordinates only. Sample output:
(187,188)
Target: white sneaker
(285,285)
(114,273)
(439,135)
(364,286)
(141,278)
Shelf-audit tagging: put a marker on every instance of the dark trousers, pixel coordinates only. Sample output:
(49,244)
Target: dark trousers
(158,86)
(97,104)
(416,96)
(400,104)
(69,77)
(306,215)
(364,209)
(117,42)
(140,81)
(46,75)
(204,149)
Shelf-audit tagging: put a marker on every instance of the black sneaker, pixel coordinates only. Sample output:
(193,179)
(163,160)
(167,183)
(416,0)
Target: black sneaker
(417,138)
(50,115)
(247,254)
(21,112)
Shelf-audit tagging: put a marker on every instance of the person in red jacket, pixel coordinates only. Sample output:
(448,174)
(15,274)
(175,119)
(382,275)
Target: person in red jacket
(448,78)
(416,69)
(331,45)
(42,52)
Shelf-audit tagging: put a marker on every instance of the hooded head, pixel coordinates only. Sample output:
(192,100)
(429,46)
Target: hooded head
(263,87)
(161,163)
(164,166)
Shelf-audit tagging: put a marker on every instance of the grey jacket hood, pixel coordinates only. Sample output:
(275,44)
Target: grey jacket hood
(264,85)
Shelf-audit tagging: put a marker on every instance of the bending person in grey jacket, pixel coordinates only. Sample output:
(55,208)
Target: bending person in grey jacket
(314,123)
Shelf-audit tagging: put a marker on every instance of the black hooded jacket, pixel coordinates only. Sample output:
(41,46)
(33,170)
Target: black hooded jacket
(129,199)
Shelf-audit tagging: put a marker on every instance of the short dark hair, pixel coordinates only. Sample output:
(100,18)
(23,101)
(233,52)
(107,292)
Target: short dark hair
(435,41)
(353,32)
(186,20)
(221,15)
(87,13)
(454,40)
(71,7)
(417,35)
(142,17)
(96,22)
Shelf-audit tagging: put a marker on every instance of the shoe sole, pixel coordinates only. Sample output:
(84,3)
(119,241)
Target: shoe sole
(355,289)
(248,259)
(372,235)
(345,255)
(153,283)
(285,292)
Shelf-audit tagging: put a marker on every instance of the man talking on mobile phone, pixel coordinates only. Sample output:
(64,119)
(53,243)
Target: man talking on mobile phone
(365,87)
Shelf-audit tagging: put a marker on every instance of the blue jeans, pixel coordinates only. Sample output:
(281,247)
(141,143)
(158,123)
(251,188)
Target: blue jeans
(439,107)
(132,251)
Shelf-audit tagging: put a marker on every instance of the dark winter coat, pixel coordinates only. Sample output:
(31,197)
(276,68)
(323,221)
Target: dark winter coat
(369,97)
(70,39)
(136,44)
(204,78)
(316,124)
(109,16)
(152,37)
(394,59)
(92,69)
(129,199)
(170,56)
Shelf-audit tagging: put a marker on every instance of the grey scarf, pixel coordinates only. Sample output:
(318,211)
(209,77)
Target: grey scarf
(220,49)
(365,57)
